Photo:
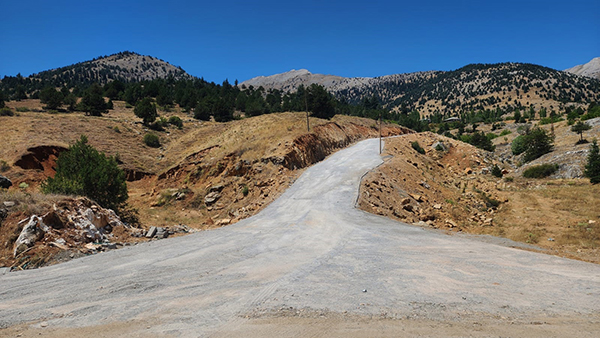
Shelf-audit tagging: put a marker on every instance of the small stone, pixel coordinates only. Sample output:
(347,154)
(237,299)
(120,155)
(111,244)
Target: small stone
(437,206)
(468,171)
(151,232)
(551,239)
(224,221)
(364,290)
(591,222)
(44,324)
(9,204)
(405,201)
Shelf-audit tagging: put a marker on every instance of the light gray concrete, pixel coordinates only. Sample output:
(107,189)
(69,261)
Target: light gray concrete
(310,249)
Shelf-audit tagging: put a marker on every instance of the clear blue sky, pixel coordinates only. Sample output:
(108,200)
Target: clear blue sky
(243,39)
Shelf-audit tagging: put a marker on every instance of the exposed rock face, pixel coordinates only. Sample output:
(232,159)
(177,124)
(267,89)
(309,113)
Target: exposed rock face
(5,182)
(32,232)
(590,69)
(314,147)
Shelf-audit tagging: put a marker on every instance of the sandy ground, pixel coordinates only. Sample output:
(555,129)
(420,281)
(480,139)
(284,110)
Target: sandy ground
(310,264)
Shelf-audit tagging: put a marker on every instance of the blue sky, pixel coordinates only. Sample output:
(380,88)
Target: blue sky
(221,40)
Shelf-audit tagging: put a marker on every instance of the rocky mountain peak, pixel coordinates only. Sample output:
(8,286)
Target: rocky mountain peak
(590,69)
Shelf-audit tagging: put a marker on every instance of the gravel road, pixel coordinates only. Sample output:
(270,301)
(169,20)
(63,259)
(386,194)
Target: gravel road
(309,260)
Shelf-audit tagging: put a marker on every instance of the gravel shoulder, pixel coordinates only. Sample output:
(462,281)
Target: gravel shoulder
(310,252)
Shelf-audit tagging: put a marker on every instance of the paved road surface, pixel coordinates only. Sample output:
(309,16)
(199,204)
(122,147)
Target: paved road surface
(309,254)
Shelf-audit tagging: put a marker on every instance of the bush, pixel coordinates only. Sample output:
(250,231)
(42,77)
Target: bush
(82,170)
(540,171)
(479,140)
(592,167)
(505,132)
(176,121)
(151,140)
(496,171)
(6,112)
(518,145)
(4,166)
(416,146)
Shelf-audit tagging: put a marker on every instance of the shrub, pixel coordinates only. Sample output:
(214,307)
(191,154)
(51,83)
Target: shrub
(4,166)
(496,171)
(245,190)
(416,146)
(151,140)
(6,112)
(479,140)
(518,145)
(505,132)
(540,171)
(176,121)
(592,167)
(82,170)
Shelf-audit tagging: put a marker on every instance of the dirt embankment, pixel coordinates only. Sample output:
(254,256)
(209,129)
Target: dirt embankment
(205,191)
(450,187)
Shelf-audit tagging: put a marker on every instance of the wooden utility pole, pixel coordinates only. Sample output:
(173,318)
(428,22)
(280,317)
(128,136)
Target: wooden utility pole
(306,106)
(380,133)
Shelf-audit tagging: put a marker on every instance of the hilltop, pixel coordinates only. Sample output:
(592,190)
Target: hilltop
(124,66)
(590,69)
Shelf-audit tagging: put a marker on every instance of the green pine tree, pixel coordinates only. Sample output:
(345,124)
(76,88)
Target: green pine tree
(82,170)
(592,168)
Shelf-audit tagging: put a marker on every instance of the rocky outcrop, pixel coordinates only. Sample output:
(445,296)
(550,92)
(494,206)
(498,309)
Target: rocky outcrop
(79,219)
(32,232)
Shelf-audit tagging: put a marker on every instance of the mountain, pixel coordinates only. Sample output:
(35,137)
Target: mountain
(590,69)
(124,66)
(504,86)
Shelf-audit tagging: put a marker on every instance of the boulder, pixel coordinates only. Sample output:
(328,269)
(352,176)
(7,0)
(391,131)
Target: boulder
(32,232)
(212,197)
(5,182)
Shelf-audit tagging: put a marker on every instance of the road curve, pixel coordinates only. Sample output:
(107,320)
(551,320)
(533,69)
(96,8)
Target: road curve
(310,250)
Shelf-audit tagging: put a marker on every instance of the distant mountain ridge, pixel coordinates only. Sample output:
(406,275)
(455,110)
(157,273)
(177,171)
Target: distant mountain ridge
(504,86)
(124,66)
(590,69)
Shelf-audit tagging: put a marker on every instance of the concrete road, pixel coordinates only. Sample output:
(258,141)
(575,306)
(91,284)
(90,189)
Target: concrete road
(310,254)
